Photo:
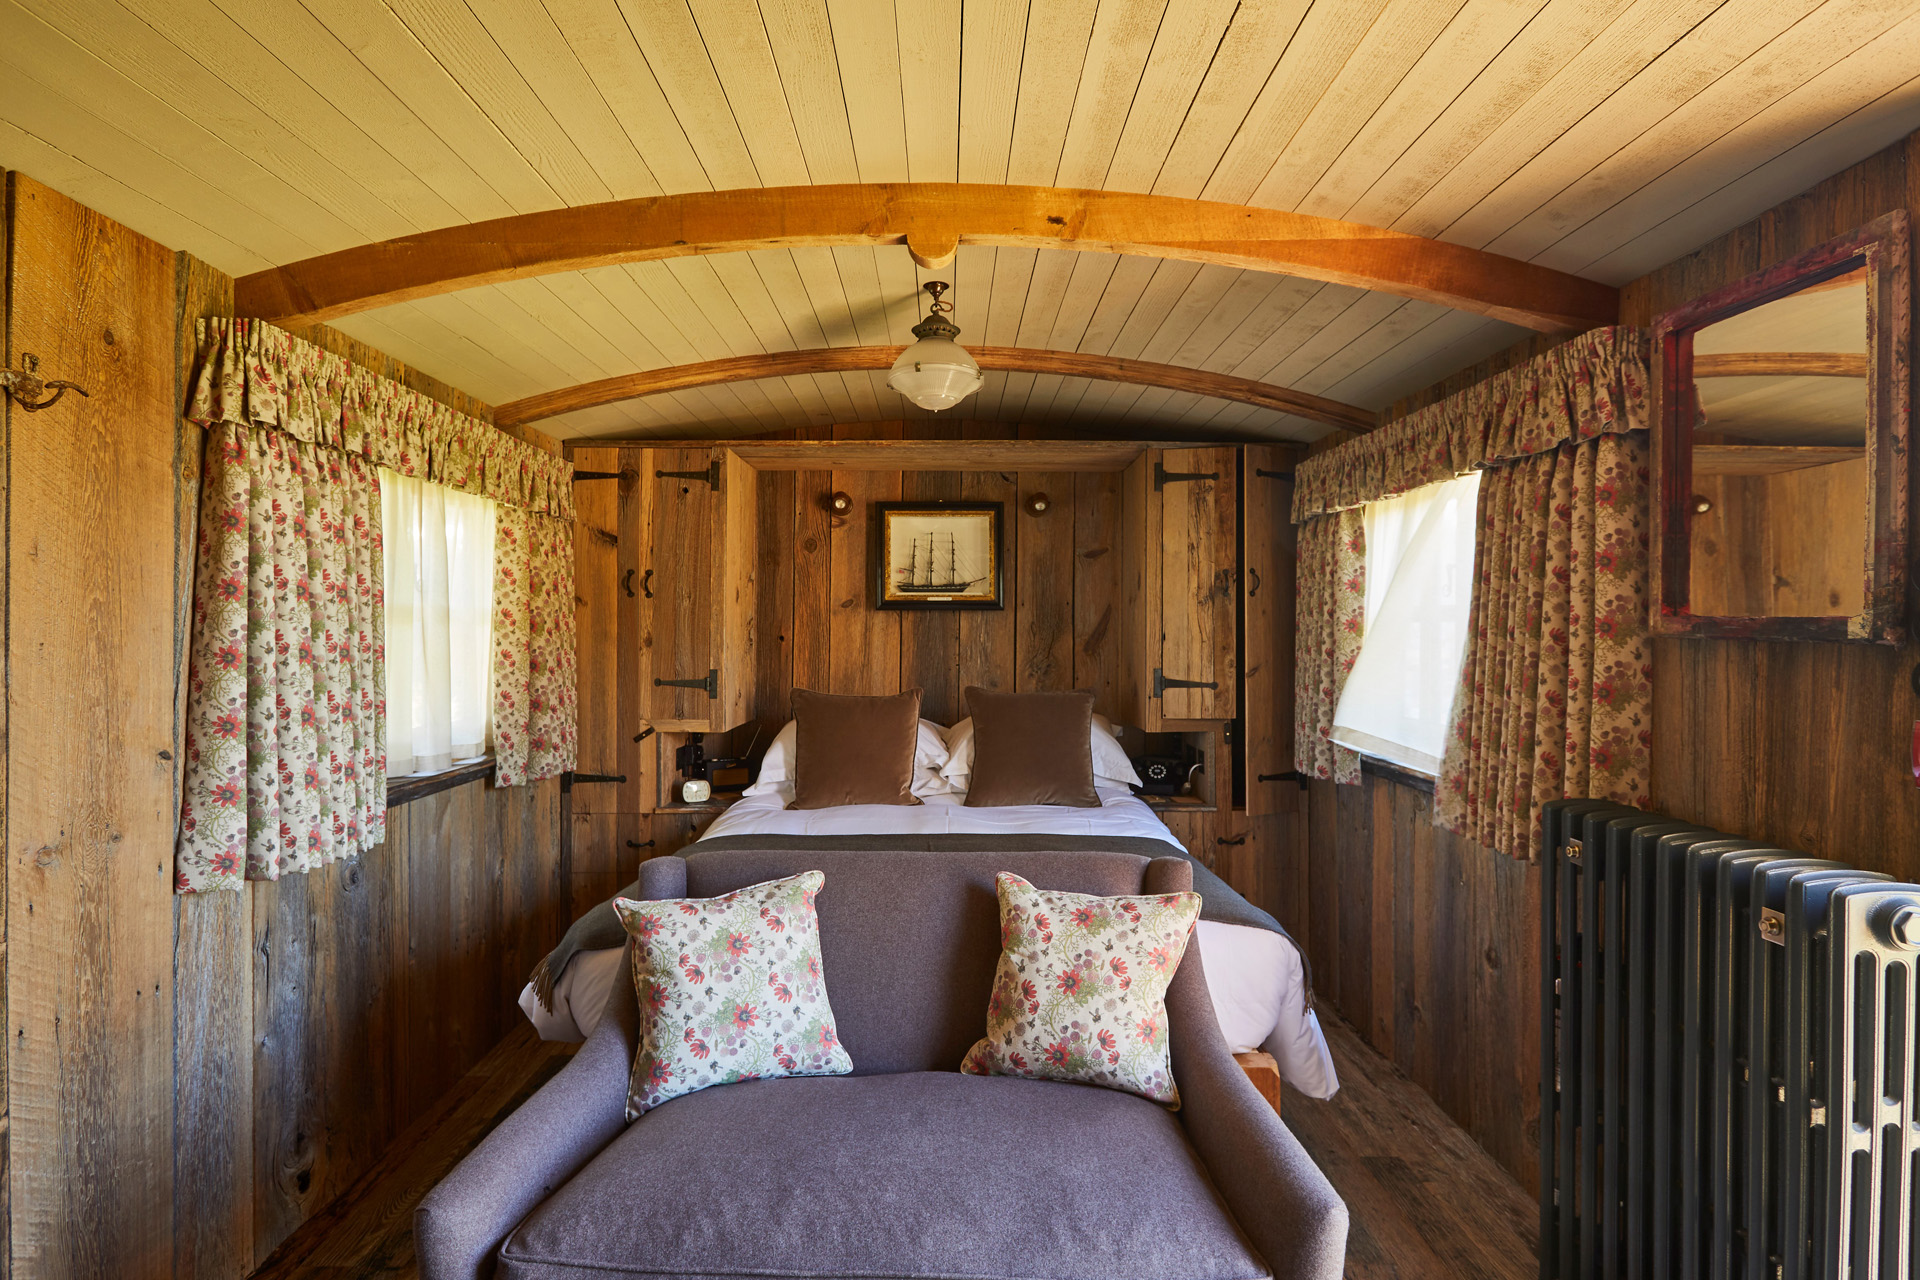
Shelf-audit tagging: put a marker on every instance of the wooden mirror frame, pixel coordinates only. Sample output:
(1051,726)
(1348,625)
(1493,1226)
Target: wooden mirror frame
(1883,247)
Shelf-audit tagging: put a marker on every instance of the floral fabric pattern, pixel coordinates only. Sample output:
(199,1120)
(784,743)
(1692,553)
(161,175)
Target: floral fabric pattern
(1080,991)
(285,765)
(533,648)
(1556,689)
(1599,383)
(730,989)
(253,374)
(1331,622)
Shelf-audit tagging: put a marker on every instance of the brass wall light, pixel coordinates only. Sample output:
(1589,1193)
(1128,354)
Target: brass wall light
(839,503)
(1038,504)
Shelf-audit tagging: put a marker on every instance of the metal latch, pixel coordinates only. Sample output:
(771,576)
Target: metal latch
(570,780)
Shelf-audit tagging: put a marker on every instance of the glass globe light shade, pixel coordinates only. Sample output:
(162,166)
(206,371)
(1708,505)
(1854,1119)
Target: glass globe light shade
(935,372)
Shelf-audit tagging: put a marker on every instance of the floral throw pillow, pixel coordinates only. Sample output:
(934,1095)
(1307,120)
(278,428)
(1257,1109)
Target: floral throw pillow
(730,989)
(1080,993)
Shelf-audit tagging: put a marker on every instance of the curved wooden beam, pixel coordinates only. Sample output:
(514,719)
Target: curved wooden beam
(1072,364)
(932,219)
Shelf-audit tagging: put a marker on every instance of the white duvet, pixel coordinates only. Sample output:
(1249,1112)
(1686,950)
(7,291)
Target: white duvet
(1255,976)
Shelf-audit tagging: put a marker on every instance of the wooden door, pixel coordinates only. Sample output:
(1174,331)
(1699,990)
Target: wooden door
(596,626)
(1190,559)
(680,573)
(1267,612)
(638,754)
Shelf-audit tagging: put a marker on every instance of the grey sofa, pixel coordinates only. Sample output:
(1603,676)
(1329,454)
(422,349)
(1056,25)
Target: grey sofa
(905,1168)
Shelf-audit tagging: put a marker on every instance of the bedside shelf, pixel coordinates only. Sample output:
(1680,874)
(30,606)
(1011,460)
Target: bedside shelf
(1178,804)
(708,806)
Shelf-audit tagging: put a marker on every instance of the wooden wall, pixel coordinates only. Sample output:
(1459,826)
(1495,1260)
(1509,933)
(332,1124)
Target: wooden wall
(192,1077)
(1801,744)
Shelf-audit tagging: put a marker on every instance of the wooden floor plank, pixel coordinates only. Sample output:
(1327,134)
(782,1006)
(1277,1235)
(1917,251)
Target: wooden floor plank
(1426,1201)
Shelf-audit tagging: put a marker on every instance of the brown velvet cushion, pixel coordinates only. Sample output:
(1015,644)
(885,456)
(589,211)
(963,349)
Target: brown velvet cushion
(1031,748)
(854,750)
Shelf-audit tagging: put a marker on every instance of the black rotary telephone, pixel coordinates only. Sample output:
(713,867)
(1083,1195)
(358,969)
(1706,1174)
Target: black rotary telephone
(1161,775)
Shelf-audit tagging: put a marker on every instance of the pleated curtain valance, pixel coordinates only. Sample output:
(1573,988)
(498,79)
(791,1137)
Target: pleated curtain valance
(252,374)
(1596,384)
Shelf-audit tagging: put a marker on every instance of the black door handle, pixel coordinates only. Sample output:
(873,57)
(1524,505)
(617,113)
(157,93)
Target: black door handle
(635,844)
(1252,591)
(1236,840)
(626,584)
(645,588)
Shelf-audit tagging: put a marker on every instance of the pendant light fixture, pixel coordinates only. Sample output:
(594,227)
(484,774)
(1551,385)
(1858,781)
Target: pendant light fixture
(935,372)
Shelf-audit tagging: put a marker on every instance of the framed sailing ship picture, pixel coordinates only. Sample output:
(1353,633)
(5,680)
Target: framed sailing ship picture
(938,555)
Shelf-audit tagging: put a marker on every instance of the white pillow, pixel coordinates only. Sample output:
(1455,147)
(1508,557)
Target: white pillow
(929,757)
(1109,760)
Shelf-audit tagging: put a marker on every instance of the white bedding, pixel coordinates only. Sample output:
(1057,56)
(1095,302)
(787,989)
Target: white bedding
(1254,975)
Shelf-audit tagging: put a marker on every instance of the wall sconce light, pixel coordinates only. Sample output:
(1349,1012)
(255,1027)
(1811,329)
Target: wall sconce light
(1038,504)
(1702,504)
(839,503)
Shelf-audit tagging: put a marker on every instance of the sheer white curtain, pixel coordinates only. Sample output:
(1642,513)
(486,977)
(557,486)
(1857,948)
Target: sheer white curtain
(439,586)
(1398,701)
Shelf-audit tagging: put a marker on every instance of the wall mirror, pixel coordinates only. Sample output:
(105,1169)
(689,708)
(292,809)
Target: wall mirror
(1781,467)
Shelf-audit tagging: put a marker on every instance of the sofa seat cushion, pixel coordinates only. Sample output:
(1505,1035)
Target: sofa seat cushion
(916,1175)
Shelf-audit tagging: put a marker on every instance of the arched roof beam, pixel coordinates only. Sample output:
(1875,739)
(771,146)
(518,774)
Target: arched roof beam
(932,219)
(1072,364)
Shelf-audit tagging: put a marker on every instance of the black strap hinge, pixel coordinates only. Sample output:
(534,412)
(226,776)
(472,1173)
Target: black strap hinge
(1163,477)
(711,475)
(1291,775)
(1274,475)
(595,475)
(569,780)
(711,684)
(1162,683)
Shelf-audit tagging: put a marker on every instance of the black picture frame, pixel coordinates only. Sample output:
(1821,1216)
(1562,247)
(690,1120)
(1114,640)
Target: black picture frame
(907,572)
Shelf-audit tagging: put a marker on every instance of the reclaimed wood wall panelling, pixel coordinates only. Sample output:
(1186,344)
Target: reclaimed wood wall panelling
(1425,943)
(90,808)
(223,1063)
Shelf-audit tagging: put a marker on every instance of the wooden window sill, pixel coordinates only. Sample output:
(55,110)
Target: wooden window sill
(1398,773)
(418,786)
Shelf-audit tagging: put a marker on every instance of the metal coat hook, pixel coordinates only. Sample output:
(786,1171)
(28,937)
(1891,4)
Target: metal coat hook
(26,385)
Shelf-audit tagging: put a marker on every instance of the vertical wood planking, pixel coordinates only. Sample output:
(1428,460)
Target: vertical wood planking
(682,607)
(1196,587)
(596,587)
(1043,620)
(812,580)
(213,1005)
(930,638)
(1097,535)
(987,636)
(773,612)
(1267,596)
(863,642)
(90,810)
(633,659)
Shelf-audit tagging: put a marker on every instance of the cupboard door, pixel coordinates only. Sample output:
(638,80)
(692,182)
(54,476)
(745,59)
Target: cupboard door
(635,669)
(678,634)
(1267,611)
(1190,554)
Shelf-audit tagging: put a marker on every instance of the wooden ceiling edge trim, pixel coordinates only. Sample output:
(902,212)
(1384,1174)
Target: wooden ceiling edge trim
(932,220)
(781,364)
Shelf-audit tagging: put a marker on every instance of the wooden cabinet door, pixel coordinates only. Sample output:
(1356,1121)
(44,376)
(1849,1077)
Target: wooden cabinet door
(1267,613)
(679,573)
(596,626)
(1190,559)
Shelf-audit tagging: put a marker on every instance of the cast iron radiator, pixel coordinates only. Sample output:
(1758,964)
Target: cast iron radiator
(1728,1060)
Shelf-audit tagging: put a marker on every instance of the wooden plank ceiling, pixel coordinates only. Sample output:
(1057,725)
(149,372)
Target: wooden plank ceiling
(1600,137)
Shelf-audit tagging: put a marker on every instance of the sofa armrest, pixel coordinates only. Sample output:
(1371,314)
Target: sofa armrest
(1279,1196)
(460,1224)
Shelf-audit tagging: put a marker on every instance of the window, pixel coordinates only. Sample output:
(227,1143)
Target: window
(1398,700)
(439,588)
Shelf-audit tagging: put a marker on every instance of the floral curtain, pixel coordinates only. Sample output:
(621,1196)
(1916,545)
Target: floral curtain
(1332,555)
(285,765)
(1593,385)
(286,752)
(533,647)
(1555,696)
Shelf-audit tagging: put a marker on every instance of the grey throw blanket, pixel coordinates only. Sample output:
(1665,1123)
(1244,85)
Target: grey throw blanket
(600,929)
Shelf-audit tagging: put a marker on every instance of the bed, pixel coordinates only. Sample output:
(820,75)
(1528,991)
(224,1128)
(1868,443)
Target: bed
(1255,973)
